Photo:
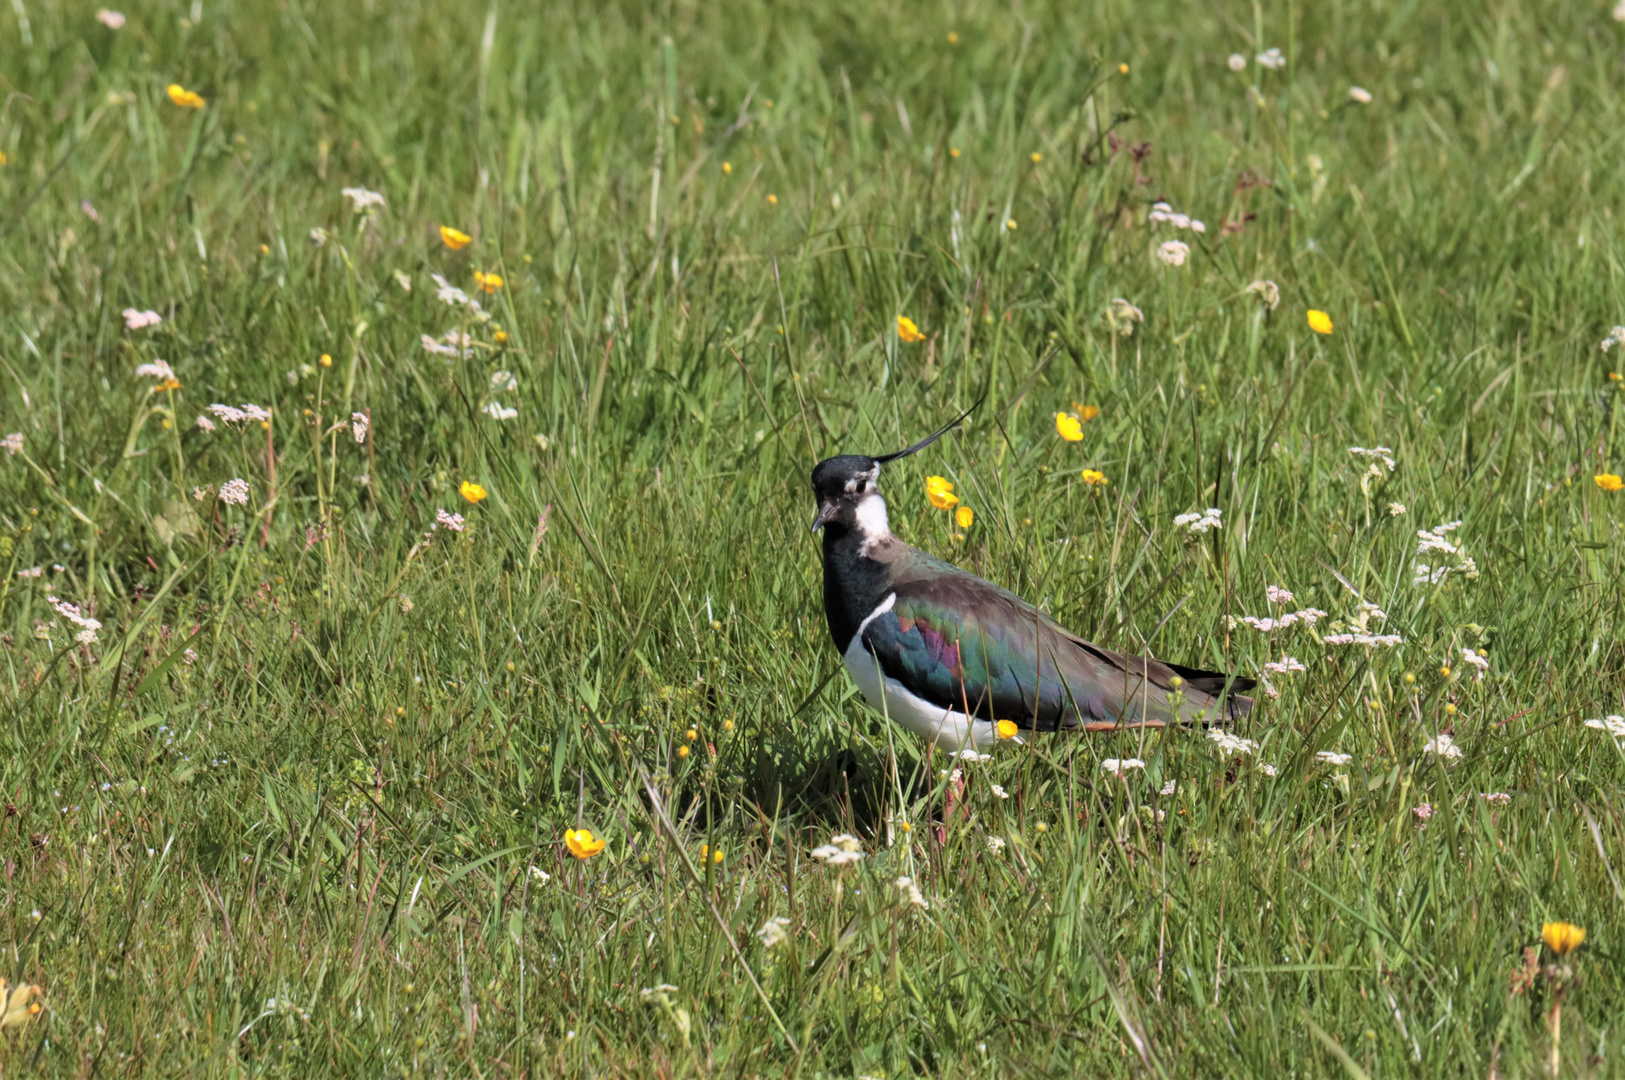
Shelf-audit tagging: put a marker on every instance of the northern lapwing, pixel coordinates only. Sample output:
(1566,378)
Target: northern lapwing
(948,655)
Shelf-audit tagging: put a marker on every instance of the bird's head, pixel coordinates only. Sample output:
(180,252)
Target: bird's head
(844,483)
(847,486)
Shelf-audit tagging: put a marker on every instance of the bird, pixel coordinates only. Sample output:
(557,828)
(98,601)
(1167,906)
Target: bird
(965,664)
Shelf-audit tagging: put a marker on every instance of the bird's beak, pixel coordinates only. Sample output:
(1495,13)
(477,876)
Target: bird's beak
(826,514)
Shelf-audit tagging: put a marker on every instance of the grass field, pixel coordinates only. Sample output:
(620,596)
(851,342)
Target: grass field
(297,805)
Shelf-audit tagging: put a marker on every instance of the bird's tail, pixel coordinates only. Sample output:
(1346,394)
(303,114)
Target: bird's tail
(1230,688)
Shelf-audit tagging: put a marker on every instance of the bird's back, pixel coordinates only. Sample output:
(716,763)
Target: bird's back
(965,643)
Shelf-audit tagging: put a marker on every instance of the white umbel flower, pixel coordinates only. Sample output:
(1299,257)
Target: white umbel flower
(1386,641)
(774,932)
(362,200)
(841,850)
(234,492)
(87,626)
(1455,561)
(1308,616)
(247,413)
(1482,663)
(1227,744)
(1211,518)
(1267,292)
(1123,315)
(1613,725)
(1379,454)
(1164,213)
(1173,252)
(451,343)
(1443,747)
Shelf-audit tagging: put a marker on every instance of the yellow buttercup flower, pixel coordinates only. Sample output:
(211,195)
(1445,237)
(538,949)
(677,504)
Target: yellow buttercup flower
(183,97)
(707,853)
(683,751)
(455,239)
(488,282)
(1320,322)
(1122,69)
(167,384)
(772,200)
(1609,482)
(953,38)
(727,167)
(1036,157)
(1068,427)
(964,517)
(940,493)
(500,337)
(1561,937)
(907,330)
(17,1004)
(582,843)
(2,157)
(1086,413)
(471,491)
(1007,729)
(1094,478)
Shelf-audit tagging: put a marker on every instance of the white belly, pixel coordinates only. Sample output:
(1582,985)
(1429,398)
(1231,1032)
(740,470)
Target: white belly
(950,729)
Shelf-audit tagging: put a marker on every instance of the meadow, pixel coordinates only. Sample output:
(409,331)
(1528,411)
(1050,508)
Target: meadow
(408,410)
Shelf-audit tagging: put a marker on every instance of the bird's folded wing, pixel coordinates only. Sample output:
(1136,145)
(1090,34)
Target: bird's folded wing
(962,643)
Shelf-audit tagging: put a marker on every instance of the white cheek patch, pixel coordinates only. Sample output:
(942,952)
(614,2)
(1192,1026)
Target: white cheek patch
(871,519)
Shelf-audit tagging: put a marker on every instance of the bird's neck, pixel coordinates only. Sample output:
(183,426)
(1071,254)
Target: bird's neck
(856,577)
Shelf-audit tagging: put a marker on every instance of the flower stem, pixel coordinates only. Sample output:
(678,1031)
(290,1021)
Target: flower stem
(1557,1032)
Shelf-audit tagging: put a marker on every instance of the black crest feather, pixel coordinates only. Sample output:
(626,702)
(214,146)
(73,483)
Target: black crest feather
(934,436)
